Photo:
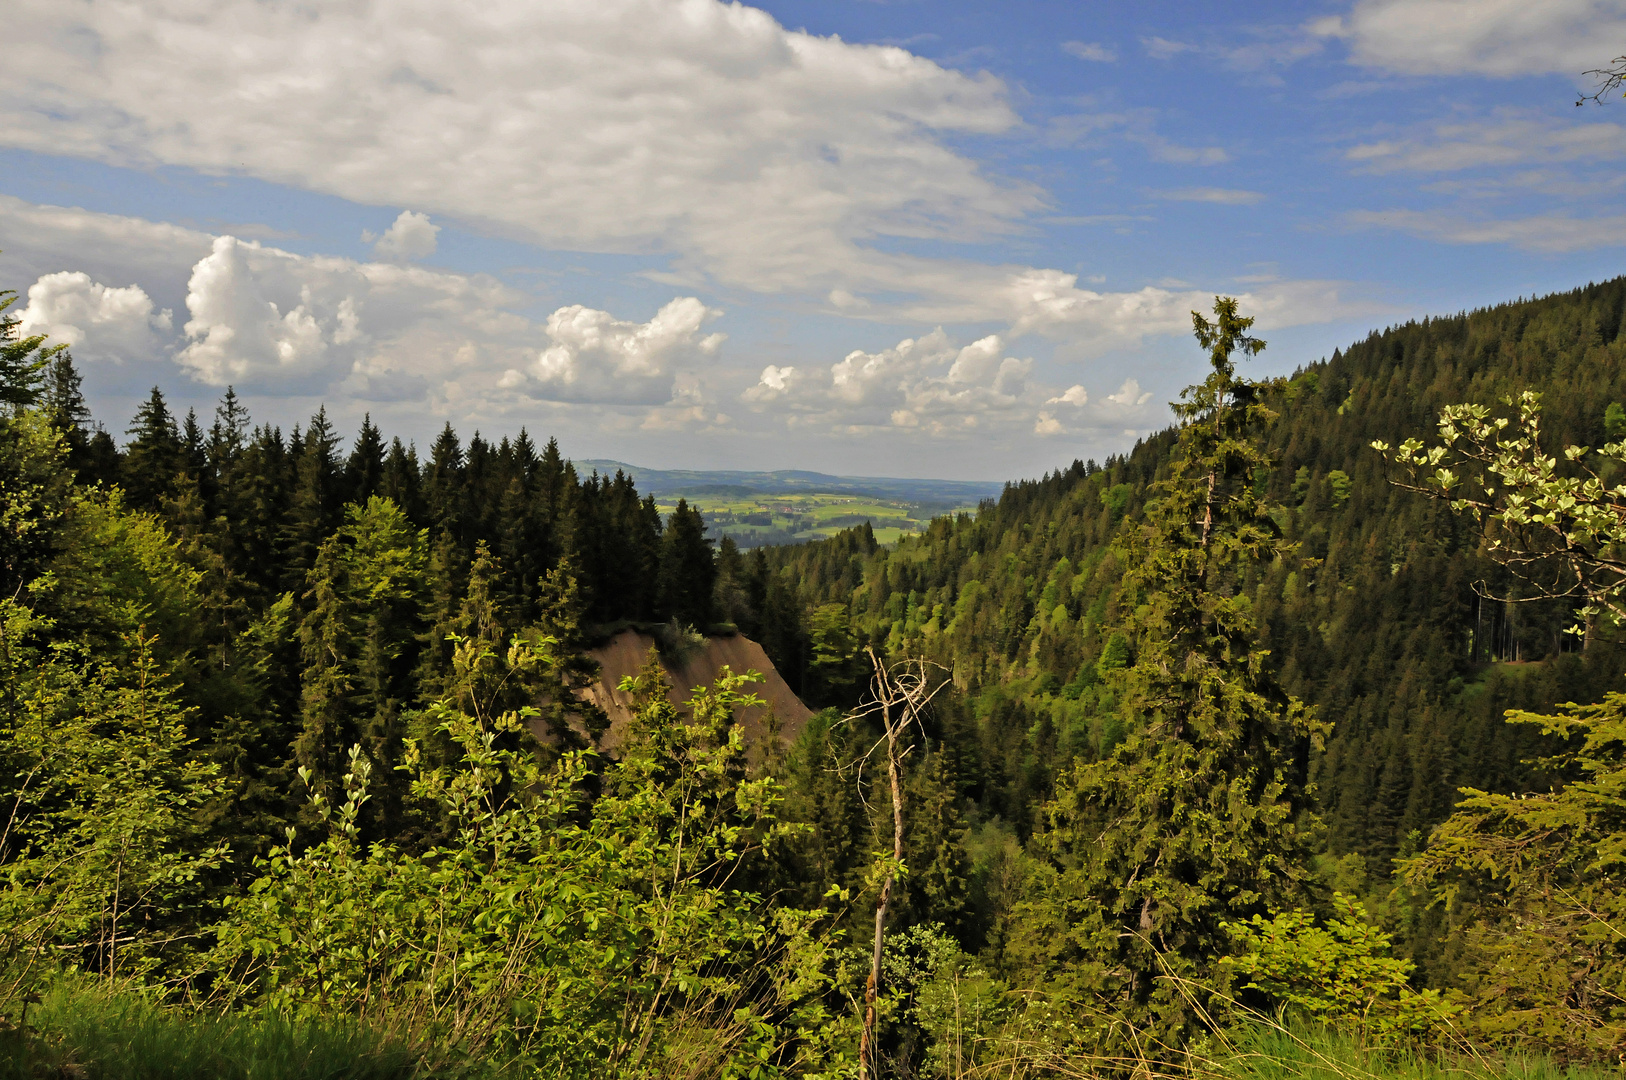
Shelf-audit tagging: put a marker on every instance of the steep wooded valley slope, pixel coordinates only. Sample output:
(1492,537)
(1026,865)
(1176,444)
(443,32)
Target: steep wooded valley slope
(267,703)
(1378,622)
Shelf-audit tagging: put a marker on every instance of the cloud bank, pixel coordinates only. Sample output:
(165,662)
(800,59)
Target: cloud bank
(752,154)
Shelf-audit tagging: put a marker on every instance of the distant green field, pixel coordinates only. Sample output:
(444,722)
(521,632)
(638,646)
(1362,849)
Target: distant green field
(754,519)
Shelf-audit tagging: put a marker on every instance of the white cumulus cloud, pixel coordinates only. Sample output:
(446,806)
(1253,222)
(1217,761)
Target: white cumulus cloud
(411,236)
(593,356)
(98,322)
(274,321)
(927,383)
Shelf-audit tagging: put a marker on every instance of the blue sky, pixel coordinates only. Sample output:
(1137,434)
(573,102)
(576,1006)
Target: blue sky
(912,238)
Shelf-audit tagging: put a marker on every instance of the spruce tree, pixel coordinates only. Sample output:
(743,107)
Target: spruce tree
(1200,814)
(23,360)
(444,487)
(315,504)
(359,639)
(687,573)
(364,471)
(64,398)
(154,454)
(402,482)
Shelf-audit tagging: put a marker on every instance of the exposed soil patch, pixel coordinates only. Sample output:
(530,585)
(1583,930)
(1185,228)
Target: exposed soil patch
(629,650)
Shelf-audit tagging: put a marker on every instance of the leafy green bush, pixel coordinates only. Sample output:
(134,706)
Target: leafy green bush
(1337,971)
(100,852)
(592,936)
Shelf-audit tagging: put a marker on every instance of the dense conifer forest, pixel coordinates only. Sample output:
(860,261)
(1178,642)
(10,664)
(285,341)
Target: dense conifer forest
(294,734)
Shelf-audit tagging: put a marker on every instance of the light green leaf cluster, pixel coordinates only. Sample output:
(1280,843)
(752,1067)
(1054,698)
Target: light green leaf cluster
(1337,971)
(99,859)
(1559,525)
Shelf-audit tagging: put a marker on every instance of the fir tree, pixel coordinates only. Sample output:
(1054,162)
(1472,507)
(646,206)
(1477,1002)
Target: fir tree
(364,470)
(154,455)
(402,482)
(444,491)
(23,360)
(687,574)
(1200,815)
(315,502)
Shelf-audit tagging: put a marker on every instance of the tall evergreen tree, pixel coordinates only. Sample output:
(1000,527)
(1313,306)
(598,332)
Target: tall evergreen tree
(402,482)
(359,638)
(1200,814)
(23,360)
(688,571)
(315,502)
(444,492)
(364,470)
(154,454)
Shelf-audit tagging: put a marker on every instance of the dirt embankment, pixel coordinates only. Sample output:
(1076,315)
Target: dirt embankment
(628,651)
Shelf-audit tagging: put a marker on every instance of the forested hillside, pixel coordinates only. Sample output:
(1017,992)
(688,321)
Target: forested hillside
(1139,765)
(1376,619)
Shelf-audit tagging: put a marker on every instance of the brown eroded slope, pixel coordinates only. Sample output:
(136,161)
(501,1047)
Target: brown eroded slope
(628,651)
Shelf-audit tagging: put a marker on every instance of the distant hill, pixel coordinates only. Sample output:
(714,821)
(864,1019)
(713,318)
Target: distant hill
(673,482)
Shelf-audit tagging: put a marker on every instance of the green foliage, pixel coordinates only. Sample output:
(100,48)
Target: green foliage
(35,491)
(1272,1052)
(1200,815)
(118,572)
(1337,971)
(1534,887)
(358,639)
(945,1009)
(22,359)
(600,937)
(100,849)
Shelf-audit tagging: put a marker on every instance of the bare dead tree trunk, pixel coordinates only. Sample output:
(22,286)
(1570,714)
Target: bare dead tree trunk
(899,693)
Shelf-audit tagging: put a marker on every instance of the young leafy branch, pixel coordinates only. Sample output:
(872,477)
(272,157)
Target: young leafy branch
(1559,527)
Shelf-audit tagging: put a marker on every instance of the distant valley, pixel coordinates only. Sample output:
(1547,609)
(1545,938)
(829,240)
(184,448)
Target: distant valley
(791,505)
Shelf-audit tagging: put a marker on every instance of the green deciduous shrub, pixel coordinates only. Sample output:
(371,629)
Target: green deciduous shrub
(1337,971)
(590,917)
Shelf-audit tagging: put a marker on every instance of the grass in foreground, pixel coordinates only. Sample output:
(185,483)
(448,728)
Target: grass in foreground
(1272,1053)
(94,1033)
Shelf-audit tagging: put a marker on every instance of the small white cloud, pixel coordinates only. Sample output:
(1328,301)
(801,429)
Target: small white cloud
(1221,196)
(1074,395)
(412,236)
(1090,50)
(98,322)
(1129,396)
(593,356)
(773,382)
(1046,425)
(1163,49)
